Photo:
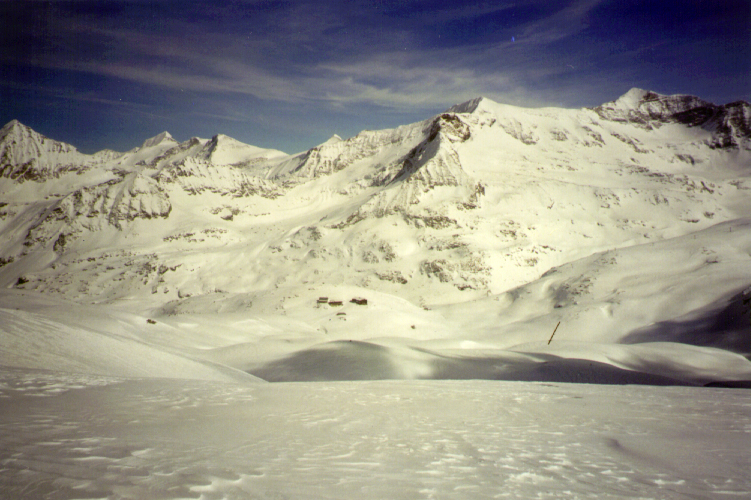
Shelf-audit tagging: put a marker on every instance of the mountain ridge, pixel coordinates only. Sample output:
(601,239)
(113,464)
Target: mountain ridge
(731,123)
(28,155)
(525,216)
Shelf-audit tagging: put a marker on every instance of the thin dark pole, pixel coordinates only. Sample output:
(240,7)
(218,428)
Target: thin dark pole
(556,329)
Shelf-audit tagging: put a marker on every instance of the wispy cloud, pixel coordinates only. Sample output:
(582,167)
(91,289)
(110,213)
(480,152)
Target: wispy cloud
(337,58)
(182,58)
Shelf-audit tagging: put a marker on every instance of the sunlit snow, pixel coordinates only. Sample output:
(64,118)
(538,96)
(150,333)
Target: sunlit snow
(494,302)
(73,436)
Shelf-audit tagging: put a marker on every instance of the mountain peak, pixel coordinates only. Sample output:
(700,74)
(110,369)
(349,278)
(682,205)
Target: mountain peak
(641,106)
(164,137)
(12,124)
(28,155)
(225,141)
(632,98)
(643,100)
(225,150)
(333,139)
(469,106)
(19,134)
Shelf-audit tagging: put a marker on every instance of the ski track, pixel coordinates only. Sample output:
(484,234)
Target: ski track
(77,436)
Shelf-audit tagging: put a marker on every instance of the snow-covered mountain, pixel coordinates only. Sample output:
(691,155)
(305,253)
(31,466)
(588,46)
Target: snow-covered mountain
(27,155)
(729,123)
(146,296)
(471,233)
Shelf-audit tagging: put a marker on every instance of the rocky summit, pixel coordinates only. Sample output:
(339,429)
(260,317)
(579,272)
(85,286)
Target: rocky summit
(479,228)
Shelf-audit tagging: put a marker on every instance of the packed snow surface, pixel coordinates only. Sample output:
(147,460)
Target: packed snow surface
(73,436)
(493,302)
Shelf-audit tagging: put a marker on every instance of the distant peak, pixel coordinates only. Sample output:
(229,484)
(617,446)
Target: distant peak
(469,106)
(636,97)
(227,141)
(18,131)
(640,107)
(12,124)
(225,150)
(158,139)
(333,139)
(632,98)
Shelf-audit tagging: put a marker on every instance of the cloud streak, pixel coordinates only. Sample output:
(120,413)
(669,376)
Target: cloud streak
(404,56)
(182,57)
(236,63)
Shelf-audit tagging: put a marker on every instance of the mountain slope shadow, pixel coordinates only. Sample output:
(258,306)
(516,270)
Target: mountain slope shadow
(724,324)
(355,360)
(340,360)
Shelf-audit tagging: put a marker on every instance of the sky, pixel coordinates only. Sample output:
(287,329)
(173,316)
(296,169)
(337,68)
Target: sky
(289,74)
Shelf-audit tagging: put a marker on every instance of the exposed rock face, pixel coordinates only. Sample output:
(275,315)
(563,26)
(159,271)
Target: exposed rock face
(431,164)
(731,123)
(188,149)
(318,161)
(470,106)
(164,139)
(224,150)
(139,196)
(90,209)
(476,199)
(336,154)
(26,155)
(197,176)
(637,103)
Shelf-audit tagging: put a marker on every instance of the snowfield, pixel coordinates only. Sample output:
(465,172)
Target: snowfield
(72,436)
(493,302)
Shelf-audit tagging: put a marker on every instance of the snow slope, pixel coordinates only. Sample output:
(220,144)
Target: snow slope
(431,286)
(73,436)
(471,234)
(27,155)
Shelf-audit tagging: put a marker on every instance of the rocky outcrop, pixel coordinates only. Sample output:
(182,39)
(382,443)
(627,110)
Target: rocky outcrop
(337,154)
(135,196)
(163,139)
(325,159)
(641,106)
(198,176)
(730,124)
(187,149)
(224,150)
(26,155)
(432,163)
(138,196)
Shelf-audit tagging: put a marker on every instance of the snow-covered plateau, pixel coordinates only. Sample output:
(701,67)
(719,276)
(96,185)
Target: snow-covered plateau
(493,302)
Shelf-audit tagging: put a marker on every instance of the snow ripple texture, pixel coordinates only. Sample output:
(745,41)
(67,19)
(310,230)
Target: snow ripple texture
(65,437)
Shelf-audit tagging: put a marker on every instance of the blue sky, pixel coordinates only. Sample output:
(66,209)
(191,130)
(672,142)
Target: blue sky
(289,74)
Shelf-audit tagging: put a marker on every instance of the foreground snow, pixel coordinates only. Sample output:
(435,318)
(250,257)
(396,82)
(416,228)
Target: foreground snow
(68,436)
(175,279)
